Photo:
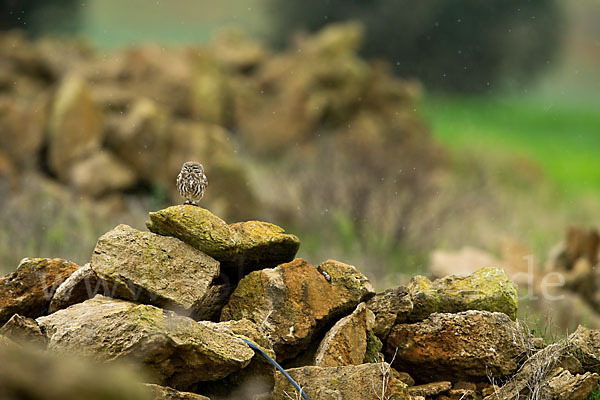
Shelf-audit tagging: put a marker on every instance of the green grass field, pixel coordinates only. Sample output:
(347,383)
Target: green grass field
(562,138)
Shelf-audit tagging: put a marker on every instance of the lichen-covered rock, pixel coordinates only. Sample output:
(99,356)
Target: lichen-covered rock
(175,350)
(346,341)
(29,289)
(100,174)
(390,307)
(251,245)
(154,269)
(75,129)
(166,393)
(82,285)
(354,382)
(294,301)
(23,329)
(464,346)
(373,351)
(487,289)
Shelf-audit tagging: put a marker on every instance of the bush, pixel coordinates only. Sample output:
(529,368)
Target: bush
(457,45)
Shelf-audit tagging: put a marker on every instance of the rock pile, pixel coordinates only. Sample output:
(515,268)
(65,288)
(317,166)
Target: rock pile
(175,303)
(565,288)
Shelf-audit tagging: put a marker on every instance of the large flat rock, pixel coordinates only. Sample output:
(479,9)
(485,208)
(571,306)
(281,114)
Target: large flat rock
(250,245)
(155,269)
(175,350)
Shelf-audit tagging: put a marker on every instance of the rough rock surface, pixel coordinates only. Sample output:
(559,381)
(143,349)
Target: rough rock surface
(29,289)
(346,342)
(175,350)
(23,329)
(390,307)
(154,269)
(82,285)
(566,386)
(465,346)
(487,289)
(75,127)
(430,389)
(166,393)
(251,244)
(256,378)
(554,372)
(293,301)
(354,382)
(586,347)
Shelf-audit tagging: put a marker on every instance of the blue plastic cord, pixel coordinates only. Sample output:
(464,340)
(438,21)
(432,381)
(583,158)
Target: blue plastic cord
(269,359)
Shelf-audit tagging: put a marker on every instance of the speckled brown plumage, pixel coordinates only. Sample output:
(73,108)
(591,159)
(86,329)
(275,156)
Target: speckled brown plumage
(191,182)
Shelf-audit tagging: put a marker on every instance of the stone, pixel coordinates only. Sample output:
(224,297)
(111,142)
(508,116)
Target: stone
(461,262)
(373,351)
(579,243)
(23,330)
(354,382)
(82,285)
(463,346)
(390,307)
(487,289)
(75,127)
(294,301)
(256,378)
(236,51)
(404,377)
(143,126)
(155,269)
(430,389)
(585,345)
(28,373)
(248,245)
(100,174)
(346,342)
(209,89)
(535,373)
(29,289)
(459,394)
(566,386)
(22,124)
(166,393)
(174,350)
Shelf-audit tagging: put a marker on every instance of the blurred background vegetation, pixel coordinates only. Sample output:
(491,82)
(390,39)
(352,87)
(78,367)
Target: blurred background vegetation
(490,128)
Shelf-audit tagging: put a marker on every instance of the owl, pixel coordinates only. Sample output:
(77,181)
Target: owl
(191,182)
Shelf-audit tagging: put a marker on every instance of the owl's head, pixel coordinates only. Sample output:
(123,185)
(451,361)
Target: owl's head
(192,167)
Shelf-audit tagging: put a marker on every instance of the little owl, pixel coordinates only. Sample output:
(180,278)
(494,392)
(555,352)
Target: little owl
(191,182)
